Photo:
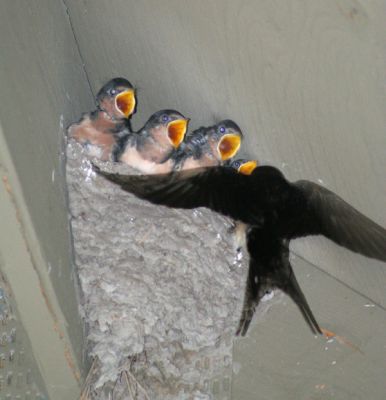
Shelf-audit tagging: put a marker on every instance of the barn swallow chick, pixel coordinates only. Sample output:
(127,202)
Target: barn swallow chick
(100,129)
(275,210)
(245,167)
(150,150)
(209,146)
(117,99)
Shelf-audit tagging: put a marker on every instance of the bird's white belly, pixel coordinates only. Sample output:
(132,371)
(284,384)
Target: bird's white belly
(134,159)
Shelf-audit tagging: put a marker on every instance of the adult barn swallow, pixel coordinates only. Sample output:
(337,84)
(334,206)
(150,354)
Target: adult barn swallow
(151,148)
(269,267)
(101,128)
(209,146)
(275,210)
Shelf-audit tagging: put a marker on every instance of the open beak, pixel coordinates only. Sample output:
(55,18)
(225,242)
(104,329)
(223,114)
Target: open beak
(248,167)
(177,130)
(125,102)
(228,146)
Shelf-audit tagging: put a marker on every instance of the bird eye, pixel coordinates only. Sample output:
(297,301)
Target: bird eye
(113,92)
(221,129)
(165,118)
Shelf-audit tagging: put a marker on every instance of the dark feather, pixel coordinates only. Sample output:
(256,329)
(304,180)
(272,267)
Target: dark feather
(276,211)
(342,223)
(269,269)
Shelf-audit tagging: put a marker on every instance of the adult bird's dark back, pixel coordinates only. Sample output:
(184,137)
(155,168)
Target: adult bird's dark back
(276,212)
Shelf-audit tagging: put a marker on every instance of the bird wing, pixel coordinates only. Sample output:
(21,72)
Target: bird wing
(342,223)
(221,189)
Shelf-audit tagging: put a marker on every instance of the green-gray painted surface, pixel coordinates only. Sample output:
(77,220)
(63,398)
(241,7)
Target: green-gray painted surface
(43,88)
(304,80)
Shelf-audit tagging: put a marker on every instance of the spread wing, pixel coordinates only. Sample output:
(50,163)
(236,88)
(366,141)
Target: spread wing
(221,189)
(342,223)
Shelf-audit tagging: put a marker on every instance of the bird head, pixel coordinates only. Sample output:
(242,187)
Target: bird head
(169,125)
(243,166)
(117,98)
(225,139)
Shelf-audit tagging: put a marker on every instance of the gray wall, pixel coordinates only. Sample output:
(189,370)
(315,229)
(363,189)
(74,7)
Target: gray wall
(43,87)
(304,80)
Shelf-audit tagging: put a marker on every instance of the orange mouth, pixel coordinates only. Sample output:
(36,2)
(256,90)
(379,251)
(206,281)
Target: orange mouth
(177,130)
(248,167)
(228,146)
(125,102)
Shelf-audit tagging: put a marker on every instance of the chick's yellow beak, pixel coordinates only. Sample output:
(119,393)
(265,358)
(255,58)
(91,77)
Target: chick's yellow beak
(125,102)
(248,167)
(228,146)
(177,130)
